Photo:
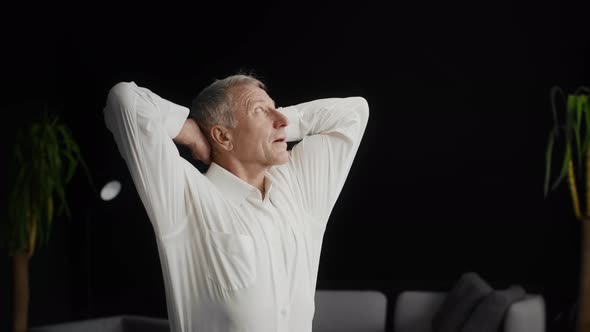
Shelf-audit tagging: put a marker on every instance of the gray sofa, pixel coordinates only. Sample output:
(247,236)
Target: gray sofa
(335,310)
(124,323)
(342,311)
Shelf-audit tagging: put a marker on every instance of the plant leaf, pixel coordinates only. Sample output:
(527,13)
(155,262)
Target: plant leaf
(574,115)
(564,168)
(583,100)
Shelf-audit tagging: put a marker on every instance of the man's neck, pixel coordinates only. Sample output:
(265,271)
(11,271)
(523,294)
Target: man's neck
(251,174)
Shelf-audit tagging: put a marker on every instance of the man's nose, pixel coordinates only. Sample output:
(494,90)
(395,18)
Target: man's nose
(280,120)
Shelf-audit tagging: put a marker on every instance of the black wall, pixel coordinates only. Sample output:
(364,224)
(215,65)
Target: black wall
(449,177)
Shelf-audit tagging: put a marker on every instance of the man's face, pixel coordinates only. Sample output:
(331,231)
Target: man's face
(259,138)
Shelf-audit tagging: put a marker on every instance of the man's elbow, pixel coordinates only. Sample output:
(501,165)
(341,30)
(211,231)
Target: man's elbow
(120,100)
(362,110)
(121,95)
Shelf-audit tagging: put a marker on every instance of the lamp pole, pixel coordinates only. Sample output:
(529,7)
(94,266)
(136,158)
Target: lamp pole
(108,192)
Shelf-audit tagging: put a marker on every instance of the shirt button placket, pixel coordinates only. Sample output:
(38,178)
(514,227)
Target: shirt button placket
(282,320)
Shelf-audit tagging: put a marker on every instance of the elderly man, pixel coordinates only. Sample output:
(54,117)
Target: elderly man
(240,244)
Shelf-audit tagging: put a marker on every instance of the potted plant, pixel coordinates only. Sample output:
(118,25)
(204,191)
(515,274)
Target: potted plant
(572,131)
(45,157)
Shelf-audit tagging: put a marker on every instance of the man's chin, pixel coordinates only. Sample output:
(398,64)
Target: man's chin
(281,162)
(283,159)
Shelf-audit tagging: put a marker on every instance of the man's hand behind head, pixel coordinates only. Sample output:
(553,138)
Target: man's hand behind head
(192,137)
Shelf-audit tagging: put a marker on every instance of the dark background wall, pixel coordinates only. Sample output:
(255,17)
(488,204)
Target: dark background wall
(448,179)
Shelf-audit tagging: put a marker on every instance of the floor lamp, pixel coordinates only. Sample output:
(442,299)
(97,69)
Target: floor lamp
(108,192)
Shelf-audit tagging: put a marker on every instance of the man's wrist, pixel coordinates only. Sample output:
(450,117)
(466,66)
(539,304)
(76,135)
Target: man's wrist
(187,132)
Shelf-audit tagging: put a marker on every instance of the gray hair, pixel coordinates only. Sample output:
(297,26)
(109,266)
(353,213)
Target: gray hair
(214,105)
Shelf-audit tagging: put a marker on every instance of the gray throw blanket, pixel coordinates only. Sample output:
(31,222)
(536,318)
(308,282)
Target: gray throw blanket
(473,306)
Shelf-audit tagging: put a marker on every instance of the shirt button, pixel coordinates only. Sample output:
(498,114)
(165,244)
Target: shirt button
(284,312)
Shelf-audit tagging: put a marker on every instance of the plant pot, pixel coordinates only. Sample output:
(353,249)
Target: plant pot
(21,291)
(584,292)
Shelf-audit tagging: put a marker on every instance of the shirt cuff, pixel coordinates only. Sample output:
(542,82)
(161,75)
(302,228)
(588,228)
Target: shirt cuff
(175,119)
(293,130)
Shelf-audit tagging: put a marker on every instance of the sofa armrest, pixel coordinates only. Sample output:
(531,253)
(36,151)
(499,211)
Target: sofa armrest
(526,315)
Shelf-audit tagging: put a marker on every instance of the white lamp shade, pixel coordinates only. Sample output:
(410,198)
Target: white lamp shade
(110,190)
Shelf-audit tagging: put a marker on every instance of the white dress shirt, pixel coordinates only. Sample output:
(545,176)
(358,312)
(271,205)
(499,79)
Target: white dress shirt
(231,260)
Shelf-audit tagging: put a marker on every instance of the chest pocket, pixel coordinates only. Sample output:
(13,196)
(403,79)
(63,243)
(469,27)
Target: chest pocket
(232,260)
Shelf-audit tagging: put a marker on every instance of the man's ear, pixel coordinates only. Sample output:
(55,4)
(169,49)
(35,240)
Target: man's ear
(222,137)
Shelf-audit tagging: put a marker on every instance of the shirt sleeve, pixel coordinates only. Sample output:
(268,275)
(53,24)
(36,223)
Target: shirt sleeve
(143,125)
(330,131)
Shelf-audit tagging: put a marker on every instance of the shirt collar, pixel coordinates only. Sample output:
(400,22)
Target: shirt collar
(234,188)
